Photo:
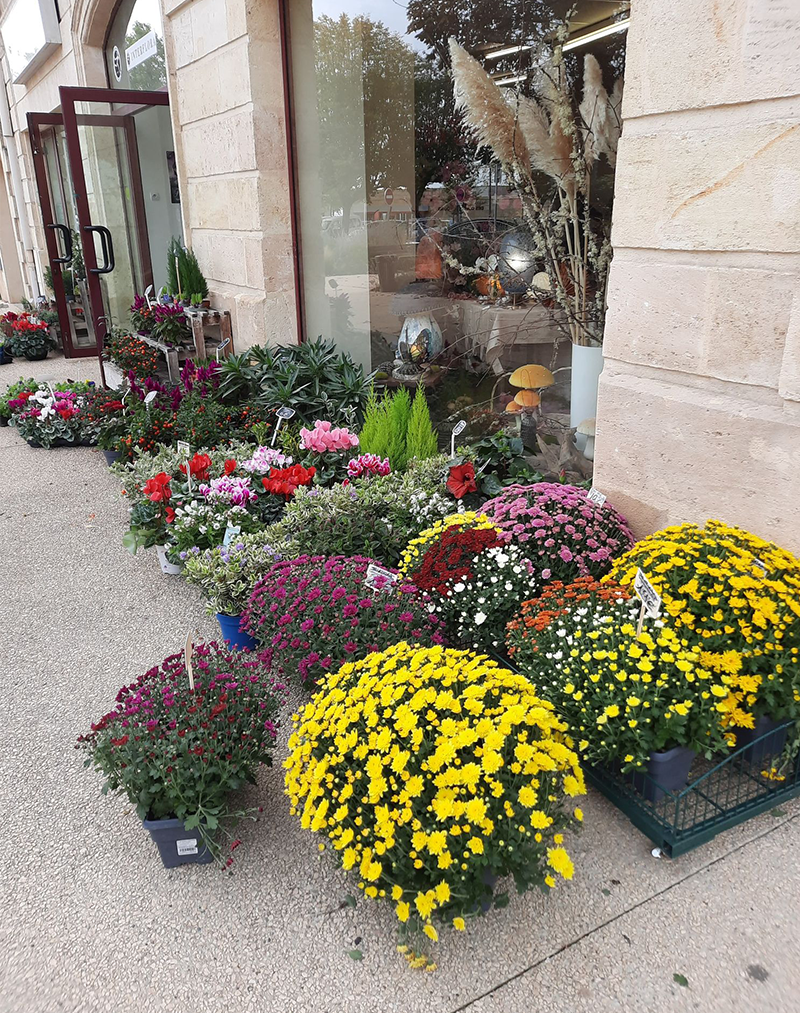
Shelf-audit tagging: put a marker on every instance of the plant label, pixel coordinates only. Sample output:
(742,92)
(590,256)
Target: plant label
(187,847)
(184,448)
(761,566)
(458,429)
(380,579)
(148,293)
(231,531)
(596,497)
(282,413)
(150,398)
(187,657)
(650,598)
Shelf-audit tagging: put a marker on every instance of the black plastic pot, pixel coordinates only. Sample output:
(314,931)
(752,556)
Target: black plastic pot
(3,420)
(111,456)
(666,772)
(771,746)
(5,357)
(176,844)
(36,356)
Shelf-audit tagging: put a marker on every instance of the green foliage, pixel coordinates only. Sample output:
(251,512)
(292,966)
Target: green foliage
(368,436)
(421,439)
(184,278)
(372,517)
(313,378)
(398,415)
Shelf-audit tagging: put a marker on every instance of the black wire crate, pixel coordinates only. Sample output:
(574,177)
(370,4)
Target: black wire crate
(718,795)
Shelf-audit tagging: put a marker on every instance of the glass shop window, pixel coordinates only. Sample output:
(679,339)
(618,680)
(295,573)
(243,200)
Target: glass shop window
(413,241)
(135,47)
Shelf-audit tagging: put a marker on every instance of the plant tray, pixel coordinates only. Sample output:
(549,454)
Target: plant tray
(717,796)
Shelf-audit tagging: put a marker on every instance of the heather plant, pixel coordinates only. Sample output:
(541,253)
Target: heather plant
(310,614)
(562,532)
(178,745)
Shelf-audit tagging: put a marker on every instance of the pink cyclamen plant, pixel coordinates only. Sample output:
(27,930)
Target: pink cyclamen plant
(562,532)
(323,437)
(366,465)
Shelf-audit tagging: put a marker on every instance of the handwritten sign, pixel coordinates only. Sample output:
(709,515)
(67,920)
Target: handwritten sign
(596,497)
(187,656)
(458,428)
(284,414)
(380,579)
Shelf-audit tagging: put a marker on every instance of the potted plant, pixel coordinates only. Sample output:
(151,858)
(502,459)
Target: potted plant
(429,821)
(639,701)
(129,354)
(181,740)
(47,419)
(227,575)
(171,326)
(30,338)
(150,521)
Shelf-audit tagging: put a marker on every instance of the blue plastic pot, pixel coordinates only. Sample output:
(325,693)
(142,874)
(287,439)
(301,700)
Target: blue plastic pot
(233,634)
(176,844)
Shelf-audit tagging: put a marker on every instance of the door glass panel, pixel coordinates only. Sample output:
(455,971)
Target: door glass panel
(105,153)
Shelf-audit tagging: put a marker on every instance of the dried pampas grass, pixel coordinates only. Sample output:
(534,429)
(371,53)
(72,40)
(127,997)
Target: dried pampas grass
(487,114)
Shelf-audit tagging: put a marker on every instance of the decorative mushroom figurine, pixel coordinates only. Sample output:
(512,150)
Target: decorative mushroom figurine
(584,438)
(532,379)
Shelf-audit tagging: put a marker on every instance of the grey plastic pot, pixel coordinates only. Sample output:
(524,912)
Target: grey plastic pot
(176,844)
(667,772)
(770,746)
(111,456)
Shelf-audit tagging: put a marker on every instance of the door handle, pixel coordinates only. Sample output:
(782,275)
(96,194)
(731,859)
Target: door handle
(65,232)
(107,244)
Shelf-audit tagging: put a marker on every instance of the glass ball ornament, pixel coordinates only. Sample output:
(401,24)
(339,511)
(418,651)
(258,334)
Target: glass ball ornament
(517,262)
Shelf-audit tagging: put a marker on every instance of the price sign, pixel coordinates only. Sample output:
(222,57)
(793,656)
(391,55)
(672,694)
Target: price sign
(187,656)
(458,429)
(650,599)
(284,414)
(187,846)
(596,497)
(380,579)
(231,531)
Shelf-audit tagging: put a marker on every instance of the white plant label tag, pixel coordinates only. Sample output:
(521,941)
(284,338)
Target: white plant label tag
(282,413)
(148,293)
(596,497)
(184,448)
(150,398)
(231,531)
(650,598)
(761,565)
(380,579)
(188,846)
(458,429)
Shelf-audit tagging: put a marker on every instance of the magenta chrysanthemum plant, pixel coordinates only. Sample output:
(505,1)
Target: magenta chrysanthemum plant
(562,532)
(313,613)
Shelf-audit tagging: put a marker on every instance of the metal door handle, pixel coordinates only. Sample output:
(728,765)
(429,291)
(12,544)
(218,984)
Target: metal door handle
(65,232)
(108,248)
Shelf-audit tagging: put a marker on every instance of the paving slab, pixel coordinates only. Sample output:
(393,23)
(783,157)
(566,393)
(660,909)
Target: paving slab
(91,921)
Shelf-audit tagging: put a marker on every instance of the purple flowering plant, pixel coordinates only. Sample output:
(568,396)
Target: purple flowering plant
(178,752)
(563,533)
(311,614)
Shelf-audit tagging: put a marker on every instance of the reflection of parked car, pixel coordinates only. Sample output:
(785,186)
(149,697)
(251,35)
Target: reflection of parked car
(333,225)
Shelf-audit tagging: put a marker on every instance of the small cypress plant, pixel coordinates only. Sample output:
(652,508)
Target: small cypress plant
(398,416)
(184,278)
(421,439)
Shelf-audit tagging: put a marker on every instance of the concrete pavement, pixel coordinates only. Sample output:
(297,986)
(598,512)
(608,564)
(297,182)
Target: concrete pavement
(91,922)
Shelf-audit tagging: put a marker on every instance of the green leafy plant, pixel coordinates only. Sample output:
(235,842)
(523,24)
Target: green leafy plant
(226,575)
(421,438)
(183,271)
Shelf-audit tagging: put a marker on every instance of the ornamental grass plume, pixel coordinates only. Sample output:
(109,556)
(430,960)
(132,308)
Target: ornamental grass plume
(623,695)
(562,532)
(312,613)
(736,597)
(432,772)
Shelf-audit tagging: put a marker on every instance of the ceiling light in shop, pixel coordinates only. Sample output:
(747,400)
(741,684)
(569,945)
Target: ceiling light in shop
(510,80)
(599,33)
(508,51)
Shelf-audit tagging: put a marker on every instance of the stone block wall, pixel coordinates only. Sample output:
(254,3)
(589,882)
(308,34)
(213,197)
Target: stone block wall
(699,402)
(227,101)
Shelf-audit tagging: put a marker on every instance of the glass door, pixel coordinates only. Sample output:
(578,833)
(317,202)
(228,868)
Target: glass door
(103,150)
(67,276)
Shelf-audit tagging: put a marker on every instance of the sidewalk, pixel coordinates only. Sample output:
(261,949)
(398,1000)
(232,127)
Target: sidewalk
(91,922)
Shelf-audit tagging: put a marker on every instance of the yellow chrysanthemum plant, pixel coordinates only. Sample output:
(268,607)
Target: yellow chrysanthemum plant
(431,772)
(736,598)
(625,695)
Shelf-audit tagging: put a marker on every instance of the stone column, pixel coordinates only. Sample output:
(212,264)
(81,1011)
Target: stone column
(699,403)
(226,90)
